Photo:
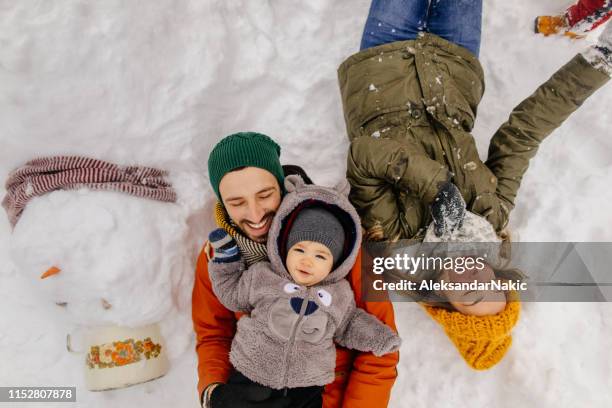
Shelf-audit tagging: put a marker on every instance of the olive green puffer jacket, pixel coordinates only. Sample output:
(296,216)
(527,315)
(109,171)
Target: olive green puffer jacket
(409,108)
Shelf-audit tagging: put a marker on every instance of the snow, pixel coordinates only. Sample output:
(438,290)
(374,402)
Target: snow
(159,84)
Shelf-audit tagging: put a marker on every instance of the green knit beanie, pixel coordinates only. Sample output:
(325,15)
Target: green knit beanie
(244,149)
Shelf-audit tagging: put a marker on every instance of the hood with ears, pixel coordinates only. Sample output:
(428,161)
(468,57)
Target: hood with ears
(299,196)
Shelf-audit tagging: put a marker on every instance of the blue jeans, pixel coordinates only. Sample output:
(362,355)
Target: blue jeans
(458,21)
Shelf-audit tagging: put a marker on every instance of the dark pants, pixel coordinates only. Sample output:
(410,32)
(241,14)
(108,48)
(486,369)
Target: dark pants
(304,397)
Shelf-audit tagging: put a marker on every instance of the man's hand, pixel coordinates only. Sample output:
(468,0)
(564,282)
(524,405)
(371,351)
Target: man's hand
(245,396)
(224,246)
(447,209)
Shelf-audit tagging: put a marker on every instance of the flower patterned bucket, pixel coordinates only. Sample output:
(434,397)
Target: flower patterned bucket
(118,357)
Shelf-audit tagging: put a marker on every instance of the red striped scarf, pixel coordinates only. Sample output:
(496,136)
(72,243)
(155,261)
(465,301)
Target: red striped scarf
(46,174)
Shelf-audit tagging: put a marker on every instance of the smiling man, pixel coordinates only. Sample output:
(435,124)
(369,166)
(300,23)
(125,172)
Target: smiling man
(247,177)
(251,195)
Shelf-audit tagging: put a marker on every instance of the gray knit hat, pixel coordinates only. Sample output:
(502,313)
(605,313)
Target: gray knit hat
(318,225)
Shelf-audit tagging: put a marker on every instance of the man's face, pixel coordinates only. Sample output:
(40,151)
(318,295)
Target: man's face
(251,197)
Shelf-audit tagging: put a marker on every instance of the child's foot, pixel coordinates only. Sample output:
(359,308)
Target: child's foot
(550,25)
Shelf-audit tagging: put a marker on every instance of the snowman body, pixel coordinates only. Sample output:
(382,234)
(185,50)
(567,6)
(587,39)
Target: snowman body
(120,267)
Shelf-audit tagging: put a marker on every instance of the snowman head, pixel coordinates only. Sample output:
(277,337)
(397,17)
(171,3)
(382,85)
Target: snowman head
(106,257)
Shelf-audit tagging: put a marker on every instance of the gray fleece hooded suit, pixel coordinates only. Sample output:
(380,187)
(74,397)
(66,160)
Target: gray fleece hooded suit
(287,341)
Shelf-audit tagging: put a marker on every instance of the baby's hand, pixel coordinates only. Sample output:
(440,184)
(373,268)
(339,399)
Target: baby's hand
(389,342)
(224,246)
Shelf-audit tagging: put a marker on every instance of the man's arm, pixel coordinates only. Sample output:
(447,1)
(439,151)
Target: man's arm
(214,326)
(371,378)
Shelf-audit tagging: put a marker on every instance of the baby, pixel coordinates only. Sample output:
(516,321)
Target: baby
(298,303)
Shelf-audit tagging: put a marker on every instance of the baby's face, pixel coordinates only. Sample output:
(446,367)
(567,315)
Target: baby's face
(309,262)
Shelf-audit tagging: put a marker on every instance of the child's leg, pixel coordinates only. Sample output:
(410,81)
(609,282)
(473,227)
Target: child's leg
(458,21)
(589,13)
(394,20)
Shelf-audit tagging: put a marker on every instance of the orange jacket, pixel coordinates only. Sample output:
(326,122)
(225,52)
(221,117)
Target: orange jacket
(362,380)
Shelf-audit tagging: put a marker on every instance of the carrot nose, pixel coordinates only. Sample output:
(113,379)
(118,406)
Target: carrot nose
(54,270)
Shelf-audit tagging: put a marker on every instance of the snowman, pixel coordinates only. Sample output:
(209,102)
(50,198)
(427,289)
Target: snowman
(111,246)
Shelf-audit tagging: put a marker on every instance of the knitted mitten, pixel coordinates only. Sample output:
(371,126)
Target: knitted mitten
(600,54)
(605,39)
(482,341)
(447,209)
(224,246)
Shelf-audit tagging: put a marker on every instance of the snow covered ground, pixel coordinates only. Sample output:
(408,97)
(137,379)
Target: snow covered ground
(159,83)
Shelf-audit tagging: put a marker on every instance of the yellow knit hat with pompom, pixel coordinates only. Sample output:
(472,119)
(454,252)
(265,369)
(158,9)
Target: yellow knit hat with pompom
(482,340)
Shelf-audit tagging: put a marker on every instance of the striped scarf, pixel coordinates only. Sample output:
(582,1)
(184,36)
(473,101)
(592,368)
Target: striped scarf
(251,251)
(46,174)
